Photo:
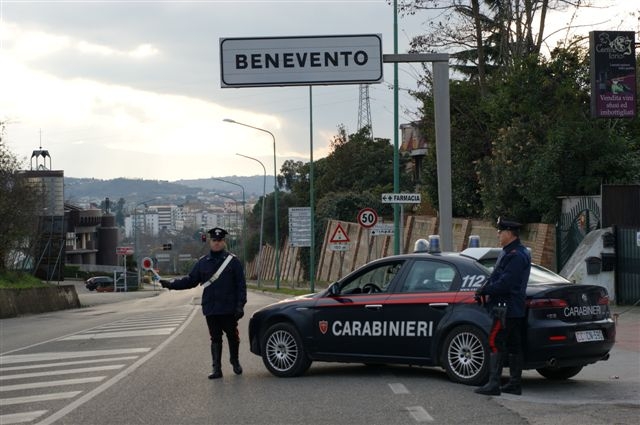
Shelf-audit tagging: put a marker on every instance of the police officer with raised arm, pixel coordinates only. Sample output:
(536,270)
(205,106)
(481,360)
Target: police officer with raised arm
(223,297)
(505,292)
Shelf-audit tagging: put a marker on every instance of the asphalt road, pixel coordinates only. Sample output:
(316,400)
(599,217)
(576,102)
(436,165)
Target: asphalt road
(158,360)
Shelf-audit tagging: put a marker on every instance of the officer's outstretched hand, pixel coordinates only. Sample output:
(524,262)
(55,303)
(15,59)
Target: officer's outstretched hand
(239,313)
(165,283)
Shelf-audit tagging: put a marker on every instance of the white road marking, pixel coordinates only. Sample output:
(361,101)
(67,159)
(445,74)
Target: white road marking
(46,384)
(398,389)
(18,418)
(34,398)
(61,372)
(419,414)
(106,385)
(163,331)
(58,364)
(130,327)
(39,357)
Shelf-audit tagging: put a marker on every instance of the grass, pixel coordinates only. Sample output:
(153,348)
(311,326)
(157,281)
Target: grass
(19,280)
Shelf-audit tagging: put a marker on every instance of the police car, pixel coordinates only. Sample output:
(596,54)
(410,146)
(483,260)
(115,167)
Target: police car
(419,309)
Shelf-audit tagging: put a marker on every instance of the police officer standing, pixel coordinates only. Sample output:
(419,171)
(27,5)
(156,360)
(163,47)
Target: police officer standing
(223,297)
(506,292)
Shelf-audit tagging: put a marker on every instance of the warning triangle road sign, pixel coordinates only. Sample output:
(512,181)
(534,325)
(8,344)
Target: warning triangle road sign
(339,235)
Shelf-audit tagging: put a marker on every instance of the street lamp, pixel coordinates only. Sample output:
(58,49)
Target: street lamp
(235,201)
(275,188)
(135,236)
(244,221)
(264,191)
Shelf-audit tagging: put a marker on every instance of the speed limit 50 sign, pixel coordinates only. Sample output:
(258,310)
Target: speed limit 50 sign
(367,217)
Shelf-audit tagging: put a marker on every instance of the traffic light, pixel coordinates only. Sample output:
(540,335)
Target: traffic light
(166,247)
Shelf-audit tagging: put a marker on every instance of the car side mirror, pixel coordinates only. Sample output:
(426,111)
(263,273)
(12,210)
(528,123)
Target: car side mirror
(334,289)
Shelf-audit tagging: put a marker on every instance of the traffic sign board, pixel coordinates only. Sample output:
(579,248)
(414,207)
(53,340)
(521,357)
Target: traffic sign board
(367,217)
(124,250)
(300,226)
(339,235)
(338,247)
(401,198)
(382,229)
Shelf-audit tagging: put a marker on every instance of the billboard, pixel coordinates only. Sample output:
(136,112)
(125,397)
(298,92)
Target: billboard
(613,74)
(300,61)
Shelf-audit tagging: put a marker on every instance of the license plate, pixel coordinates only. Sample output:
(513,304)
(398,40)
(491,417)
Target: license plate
(588,336)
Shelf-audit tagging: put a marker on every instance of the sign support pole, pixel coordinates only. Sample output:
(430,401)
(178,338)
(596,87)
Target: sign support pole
(312,249)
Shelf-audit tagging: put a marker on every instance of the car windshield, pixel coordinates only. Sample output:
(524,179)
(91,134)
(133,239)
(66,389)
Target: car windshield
(541,275)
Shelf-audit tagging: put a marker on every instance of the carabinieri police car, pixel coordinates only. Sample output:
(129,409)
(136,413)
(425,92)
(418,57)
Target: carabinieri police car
(419,309)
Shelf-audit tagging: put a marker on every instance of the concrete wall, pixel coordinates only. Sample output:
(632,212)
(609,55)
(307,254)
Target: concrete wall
(16,302)
(576,268)
(363,247)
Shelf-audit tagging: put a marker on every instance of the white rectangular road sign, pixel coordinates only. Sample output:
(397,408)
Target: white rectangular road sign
(300,226)
(163,257)
(382,229)
(339,247)
(401,198)
(301,61)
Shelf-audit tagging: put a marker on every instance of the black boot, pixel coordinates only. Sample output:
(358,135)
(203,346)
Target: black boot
(216,355)
(234,348)
(514,386)
(495,372)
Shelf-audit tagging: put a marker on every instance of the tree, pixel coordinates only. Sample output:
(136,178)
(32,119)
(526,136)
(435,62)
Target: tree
(18,207)
(485,36)
(532,140)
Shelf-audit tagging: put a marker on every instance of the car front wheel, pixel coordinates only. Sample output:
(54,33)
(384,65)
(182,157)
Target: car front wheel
(465,356)
(282,351)
(559,373)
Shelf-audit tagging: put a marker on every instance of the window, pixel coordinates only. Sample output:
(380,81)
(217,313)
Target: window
(429,276)
(372,280)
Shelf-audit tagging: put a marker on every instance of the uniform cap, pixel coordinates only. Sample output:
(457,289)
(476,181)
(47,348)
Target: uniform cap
(217,233)
(507,224)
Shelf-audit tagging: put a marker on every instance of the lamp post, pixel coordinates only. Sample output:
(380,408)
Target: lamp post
(135,236)
(264,191)
(235,201)
(275,189)
(244,220)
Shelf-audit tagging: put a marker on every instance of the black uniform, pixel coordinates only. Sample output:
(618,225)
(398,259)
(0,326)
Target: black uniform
(223,299)
(506,292)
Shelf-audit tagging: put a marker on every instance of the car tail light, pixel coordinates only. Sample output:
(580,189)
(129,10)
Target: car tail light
(547,303)
(557,338)
(603,300)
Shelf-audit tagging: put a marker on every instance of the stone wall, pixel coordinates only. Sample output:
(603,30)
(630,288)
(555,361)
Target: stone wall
(16,302)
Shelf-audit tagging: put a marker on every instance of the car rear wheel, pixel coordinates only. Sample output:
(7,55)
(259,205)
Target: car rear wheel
(465,355)
(282,351)
(559,373)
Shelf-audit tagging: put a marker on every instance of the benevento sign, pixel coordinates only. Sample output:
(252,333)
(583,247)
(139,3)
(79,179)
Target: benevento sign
(300,61)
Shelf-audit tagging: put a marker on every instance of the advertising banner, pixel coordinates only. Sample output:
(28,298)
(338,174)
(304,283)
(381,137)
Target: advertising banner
(613,74)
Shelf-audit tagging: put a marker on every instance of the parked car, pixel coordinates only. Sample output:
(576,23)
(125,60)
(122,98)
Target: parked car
(93,282)
(419,309)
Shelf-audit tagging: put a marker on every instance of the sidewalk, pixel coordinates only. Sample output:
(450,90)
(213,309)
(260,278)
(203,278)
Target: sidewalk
(627,320)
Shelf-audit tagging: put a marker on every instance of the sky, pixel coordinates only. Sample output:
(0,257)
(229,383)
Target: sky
(132,88)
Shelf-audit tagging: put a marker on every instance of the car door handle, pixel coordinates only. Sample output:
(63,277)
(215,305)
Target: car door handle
(373,306)
(438,305)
